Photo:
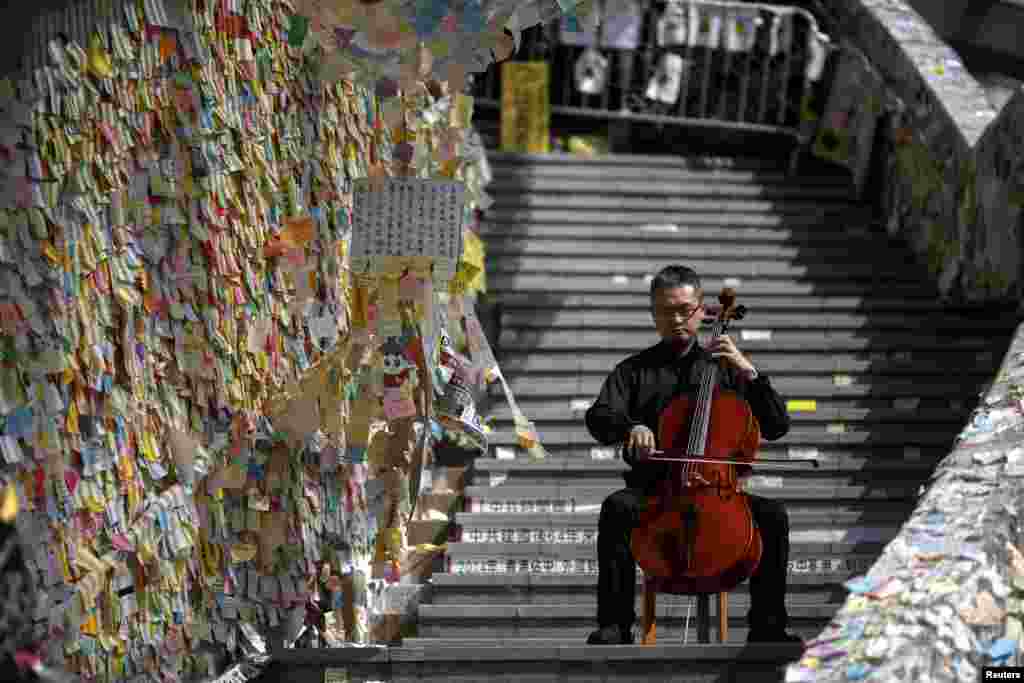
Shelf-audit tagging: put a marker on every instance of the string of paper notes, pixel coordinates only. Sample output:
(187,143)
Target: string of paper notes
(209,424)
(410,40)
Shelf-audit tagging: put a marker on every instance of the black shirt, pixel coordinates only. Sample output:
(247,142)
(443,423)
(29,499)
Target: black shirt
(641,386)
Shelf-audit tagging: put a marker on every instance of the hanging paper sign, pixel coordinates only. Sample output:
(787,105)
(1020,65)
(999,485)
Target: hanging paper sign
(622,23)
(406,217)
(525,107)
(741,30)
(502,453)
(578,31)
(590,72)
(705,26)
(846,133)
(672,25)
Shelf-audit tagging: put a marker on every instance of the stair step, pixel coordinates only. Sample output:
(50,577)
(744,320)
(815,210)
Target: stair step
(611,163)
(500,281)
(878,364)
(584,496)
(803,557)
(797,444)
(644,206)
(497,658)
(659,189)
(825,342)
(649,244)
(869,410)
(838,460)
(853,419)
(722,217)
(802,230)
(448,586)
(802,514)
(830,435)
(637,269)
(788,386)
(539,621)
(555,174)
(757,305)
(668,612)
(562,317)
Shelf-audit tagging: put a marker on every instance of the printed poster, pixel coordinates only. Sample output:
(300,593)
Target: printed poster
(525,107)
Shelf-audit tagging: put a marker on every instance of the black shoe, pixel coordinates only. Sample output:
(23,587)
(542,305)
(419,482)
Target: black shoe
(611,635)
(773,636)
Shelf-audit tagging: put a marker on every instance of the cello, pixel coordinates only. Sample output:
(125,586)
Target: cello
(697,534)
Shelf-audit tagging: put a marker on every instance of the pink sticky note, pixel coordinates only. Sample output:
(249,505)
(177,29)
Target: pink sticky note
(296,257)
(395,409)
(121,542)
(407,287)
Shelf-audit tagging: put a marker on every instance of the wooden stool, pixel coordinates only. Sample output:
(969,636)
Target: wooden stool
(649,630)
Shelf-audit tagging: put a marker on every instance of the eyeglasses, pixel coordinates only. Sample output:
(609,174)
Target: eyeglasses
(669,313)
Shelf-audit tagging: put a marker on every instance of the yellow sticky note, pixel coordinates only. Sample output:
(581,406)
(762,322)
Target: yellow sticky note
(802,406)
(9,505)
(243,552)
(99,61)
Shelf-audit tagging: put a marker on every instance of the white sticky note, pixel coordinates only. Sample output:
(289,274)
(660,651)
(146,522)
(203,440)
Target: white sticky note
(579,404)
(620,280)
(842,380)
(602,453)
(498,478)
(836,428)
(763,482)
(756,335)
(796,452)
(502,453)
(733,282)
(661,227)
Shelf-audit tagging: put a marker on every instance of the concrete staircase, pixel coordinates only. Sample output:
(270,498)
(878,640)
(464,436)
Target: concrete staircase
(881,377)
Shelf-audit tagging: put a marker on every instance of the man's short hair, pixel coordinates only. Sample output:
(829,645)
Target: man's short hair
(674,276)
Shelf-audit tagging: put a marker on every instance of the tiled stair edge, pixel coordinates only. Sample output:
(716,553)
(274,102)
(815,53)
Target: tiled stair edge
(955,129)
(988,458)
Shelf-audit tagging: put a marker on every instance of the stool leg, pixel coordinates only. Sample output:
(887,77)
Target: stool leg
(703,618)
(648,627)
(723,617)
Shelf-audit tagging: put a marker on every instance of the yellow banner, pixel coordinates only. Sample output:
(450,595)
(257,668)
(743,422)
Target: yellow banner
(525,107)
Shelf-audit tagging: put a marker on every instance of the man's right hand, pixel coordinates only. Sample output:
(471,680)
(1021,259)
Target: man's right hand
(640,443)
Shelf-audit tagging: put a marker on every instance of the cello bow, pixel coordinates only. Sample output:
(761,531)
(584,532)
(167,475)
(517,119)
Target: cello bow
(813,462)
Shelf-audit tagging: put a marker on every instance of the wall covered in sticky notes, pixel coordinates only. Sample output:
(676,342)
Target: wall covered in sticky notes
(176,396)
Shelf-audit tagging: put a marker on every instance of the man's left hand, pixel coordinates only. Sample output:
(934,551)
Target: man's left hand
(724,347)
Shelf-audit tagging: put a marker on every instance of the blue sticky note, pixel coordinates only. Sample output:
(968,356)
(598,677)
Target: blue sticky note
(472,18)
(857,671)
(1002,648)
(860,584)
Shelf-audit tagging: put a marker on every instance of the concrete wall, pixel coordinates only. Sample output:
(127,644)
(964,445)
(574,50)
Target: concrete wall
(952,162)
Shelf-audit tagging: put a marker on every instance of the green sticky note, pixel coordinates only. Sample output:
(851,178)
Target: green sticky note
(297,30)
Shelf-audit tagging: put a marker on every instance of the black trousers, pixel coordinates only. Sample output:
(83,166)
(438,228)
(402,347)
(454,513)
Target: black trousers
(616,583)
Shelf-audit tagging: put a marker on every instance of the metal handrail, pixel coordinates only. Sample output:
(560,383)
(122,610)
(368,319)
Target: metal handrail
(725,93)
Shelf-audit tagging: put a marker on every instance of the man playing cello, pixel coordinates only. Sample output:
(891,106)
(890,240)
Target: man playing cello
(627,411)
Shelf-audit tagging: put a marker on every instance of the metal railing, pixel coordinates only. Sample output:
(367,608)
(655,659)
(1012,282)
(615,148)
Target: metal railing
(757,77)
